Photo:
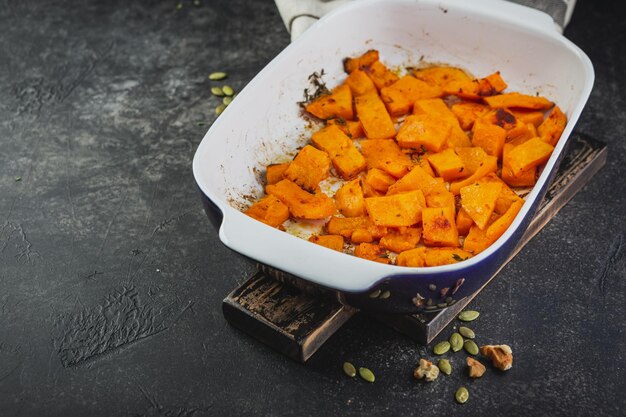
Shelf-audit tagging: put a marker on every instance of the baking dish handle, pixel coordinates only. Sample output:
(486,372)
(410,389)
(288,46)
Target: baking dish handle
(513,12)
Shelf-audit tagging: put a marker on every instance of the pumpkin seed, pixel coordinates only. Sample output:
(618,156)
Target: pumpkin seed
(228,90)
(227,100)
(367,375)
(385,294)
(461,395)
(470,347)
(467,332)
(469,315)
(219,109)
(444,366)
(432,287)
(441,347)
(456,342)
(216,76)
(349,369)
(375,294)
(217,91)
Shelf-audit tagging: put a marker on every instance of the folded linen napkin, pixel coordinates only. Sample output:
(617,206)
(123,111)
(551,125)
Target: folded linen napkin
(298,15)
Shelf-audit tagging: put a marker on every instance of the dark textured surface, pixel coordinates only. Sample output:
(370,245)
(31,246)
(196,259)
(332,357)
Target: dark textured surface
(111,278)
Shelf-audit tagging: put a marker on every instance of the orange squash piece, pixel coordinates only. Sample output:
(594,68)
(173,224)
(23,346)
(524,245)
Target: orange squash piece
(344,156)
(360,83)
(396,210)
(400,96)
(376,122)
(400,240)
(308,168)
(488,165)
(334,242)
(416,179)
(448,165)
(489,137)
(445,78)
(380,74)
(274,172)
(467,112)
(372,252)
(354,63)
(423,130)
(477,88)
(385,154)
(533,117)
(476,240)
(479,199)
(463,222)
(352,128)
(269,210)
(439,227)
(349,199)
(302,204)
(437,107)
(440,198)
(346,226)
(523,179)
(554,125)
(499,226)
(336,104)
(528,155)
(519,100)
(379,180)
(431,256)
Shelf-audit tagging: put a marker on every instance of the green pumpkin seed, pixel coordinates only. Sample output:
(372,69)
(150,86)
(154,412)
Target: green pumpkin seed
(385,294)
(228,90)
(349,369)
(367,375)
(219,109)
(456,342)
(469,315)
(461,395)
(470,347)
(441,347)
(374,294)
(444,366)
(227,100)
(467,332)
(216,76)
(217,91)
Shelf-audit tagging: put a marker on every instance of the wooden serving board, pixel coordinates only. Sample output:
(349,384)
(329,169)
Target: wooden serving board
(296,317)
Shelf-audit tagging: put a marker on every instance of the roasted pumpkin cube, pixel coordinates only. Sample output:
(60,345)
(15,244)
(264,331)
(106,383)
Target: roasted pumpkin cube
(386,155)
(499,226)
(269,210)
(400,240)
(472,157)
(423,130)
(463,222)
(479,199)
(416,179)
(488,165)
(396,210)
(372,252)
(520,133)
(477,88)
(439,227)
(346,226)
(448,165)
(534,117)
(431,257)
(349,199)
(440,198)
(379,180)
(376,122)
(353,63)
(528,155)
(437,107)
(352,128)
(302,204)
(361,236)
(336,104)
(506,198)
(467,112)
(345,157)
(360,83)
(523,179)
(476,240)
(380,74)
(552,128)
(308,168)
(490,137)
(519,100)
(274,172)
(334,242)
(443,77)
(400,96)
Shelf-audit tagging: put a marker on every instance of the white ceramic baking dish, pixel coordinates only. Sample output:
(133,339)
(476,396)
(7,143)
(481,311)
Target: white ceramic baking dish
(263,124)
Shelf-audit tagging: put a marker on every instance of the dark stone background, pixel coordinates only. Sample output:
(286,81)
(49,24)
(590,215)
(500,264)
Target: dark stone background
(111,277)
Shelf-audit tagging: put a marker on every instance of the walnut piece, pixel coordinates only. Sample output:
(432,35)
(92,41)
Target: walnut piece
(426,370)
(501,355)
(476,369)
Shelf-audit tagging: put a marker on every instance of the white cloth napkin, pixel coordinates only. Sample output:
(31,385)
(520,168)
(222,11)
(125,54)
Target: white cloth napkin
(298,15)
